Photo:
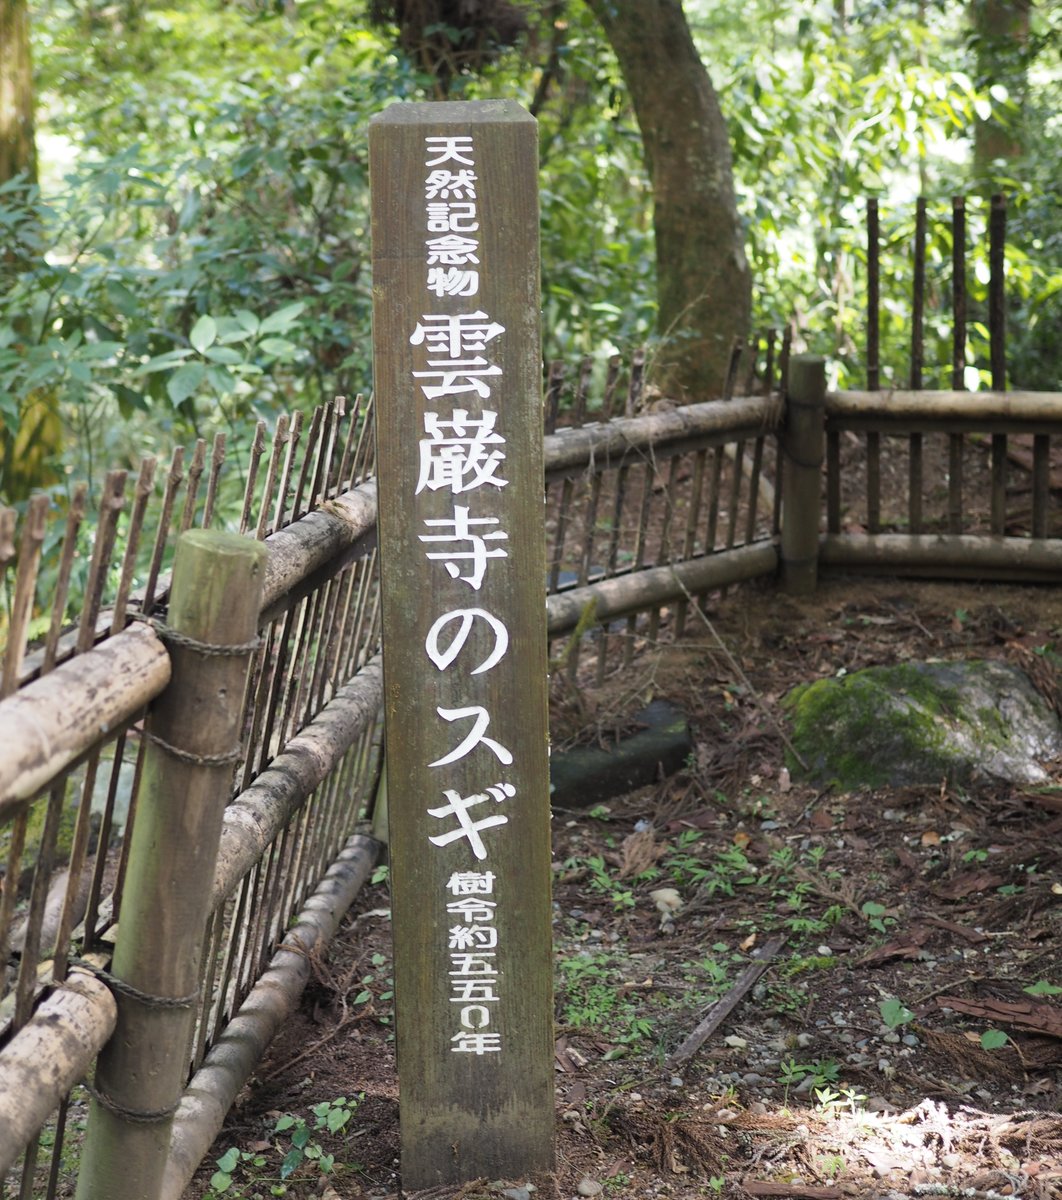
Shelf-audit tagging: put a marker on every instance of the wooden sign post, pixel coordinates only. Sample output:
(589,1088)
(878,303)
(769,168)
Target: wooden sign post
(459,441)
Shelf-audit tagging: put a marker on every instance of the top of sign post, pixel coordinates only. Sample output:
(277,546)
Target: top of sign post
(453,112)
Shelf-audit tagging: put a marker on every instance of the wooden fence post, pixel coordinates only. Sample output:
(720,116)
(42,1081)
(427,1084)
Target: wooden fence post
(462,552)
(193,734)
(803,442)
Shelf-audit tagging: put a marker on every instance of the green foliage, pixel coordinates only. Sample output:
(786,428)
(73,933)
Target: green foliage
(1042,988)
(590,995)
(894,1013)
(197,250)
(298,1142)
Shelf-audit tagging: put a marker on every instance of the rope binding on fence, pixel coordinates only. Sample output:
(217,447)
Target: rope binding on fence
(173,637)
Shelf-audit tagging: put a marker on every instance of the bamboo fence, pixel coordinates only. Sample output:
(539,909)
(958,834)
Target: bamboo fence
(650,509)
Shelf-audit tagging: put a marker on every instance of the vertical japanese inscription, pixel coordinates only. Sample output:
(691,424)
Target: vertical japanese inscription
(457,370)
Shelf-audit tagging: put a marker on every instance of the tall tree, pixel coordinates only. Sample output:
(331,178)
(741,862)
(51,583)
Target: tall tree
(17,152)
(1000,30)
(704,288)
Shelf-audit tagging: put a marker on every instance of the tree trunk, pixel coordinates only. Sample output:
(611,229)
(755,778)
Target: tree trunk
(17,151)
(1001,36)
(704,289)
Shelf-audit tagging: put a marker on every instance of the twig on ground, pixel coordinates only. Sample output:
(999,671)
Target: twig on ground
(723,1007)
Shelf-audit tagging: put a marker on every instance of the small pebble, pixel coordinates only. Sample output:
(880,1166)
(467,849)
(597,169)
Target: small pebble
(635,1097)
(589,1187)
(751,1079)
(517,1193)
(676,1081)
(892,1037)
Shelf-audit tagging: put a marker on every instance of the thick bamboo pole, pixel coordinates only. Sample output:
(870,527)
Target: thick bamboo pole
(316,542)
(605,445)
(194,733)
(233,1057)
(643,590)
(982,412)
(803,442)
(262,810)
(946,556)
(47,1056)
(47,725)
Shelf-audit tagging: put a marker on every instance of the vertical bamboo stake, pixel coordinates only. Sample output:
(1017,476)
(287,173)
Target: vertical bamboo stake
(997,296)
(802,442)
(873,295)
(918,297)
(193,740)
(958,293)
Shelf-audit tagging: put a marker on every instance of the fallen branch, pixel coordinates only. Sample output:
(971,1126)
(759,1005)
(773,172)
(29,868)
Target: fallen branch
(723,1007)
(1044,1019)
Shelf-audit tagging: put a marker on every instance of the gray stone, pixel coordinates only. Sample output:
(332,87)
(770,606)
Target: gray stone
(917,723)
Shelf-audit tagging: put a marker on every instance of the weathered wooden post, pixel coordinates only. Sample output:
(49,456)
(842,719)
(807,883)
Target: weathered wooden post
(459,440)
(193,737)
(803,443)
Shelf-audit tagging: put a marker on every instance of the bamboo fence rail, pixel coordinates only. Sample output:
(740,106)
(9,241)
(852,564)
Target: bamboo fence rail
(980,468)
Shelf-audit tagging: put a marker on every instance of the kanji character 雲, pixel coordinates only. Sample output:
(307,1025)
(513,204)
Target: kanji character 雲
(453,334)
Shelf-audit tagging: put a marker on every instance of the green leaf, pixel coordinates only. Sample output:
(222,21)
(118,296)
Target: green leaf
(992,1039)
(284,1122)
(185,382)
(1042,988)
(277,347)
(204,333)
(292,1161)
(222,354)
(228,1161)
(894,1013)
(163,362)
(220,1181)
(337,1118)
(282,319)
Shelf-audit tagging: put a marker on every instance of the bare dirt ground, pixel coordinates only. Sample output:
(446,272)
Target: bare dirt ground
(905,1036)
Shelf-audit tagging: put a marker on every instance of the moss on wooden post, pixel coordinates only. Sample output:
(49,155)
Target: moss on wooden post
(193,736)
(462,551)
(803,443)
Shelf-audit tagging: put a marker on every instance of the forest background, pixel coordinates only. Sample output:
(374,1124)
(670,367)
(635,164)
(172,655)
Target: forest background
(184,192)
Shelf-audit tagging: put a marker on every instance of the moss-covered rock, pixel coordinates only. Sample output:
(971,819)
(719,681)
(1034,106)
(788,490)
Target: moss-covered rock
(922,722)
